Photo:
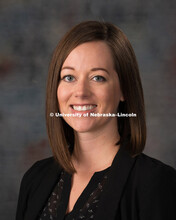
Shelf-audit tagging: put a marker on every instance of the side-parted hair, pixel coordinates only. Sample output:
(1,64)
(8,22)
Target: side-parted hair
(132,130)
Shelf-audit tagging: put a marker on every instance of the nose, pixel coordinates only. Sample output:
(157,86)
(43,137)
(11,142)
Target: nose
(82,89)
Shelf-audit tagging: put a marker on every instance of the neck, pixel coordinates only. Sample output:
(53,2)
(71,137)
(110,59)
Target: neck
(95,151)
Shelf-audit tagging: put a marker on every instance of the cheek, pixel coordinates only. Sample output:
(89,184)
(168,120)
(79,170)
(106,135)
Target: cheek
(112,95)
(62,95)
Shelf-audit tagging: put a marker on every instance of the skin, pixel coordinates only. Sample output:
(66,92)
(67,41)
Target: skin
(88,76)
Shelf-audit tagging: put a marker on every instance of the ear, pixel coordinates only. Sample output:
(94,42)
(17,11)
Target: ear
(122,98)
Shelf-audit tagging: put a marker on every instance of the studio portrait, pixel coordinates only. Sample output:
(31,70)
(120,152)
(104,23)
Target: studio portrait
(88,111)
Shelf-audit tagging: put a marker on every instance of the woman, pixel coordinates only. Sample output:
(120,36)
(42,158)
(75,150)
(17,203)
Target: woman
(98,170)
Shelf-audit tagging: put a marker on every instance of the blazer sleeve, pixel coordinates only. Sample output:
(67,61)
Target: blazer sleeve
(158,200)
(24,192)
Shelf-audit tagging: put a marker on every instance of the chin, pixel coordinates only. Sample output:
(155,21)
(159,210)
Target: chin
(82,126)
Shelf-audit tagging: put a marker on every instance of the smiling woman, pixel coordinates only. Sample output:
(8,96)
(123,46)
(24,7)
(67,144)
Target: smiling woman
(89,83)
(99,50)
(98,170)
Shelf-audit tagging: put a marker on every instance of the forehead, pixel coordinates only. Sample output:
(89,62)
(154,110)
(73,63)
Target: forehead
(90,54)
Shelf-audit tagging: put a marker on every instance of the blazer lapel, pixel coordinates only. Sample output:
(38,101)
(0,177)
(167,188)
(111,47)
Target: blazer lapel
(119,172)
(44,189)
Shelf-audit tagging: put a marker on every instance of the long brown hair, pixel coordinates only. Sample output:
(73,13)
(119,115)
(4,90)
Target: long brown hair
(132,130)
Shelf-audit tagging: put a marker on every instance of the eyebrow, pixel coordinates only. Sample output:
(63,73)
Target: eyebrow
(68,67)
(92,70)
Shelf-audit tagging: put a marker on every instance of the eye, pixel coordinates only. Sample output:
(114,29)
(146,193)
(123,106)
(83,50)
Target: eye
(68,78)
(99,78)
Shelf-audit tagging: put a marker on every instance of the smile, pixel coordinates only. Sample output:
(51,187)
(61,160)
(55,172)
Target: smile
(83,107)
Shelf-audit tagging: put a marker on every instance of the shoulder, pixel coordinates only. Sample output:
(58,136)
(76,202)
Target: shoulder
(43,173)
(39,165)
(154,185)
(149,174)
(152,169)
(40,168)
(152,174)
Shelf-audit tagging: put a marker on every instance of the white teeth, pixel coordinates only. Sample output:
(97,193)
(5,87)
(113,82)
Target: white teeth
(83,108)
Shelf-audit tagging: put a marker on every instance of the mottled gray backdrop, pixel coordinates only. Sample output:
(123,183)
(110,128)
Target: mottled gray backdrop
(29,31)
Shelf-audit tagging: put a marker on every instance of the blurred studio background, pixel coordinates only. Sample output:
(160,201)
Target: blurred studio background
(30,30)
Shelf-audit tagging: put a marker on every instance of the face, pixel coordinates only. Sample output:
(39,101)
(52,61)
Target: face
(89,84)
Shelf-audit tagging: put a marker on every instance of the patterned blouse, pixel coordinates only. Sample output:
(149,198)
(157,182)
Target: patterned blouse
(86,205)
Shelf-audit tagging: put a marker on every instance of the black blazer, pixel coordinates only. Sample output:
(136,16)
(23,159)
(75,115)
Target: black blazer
(139,188)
